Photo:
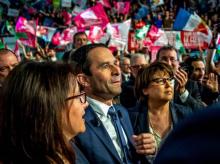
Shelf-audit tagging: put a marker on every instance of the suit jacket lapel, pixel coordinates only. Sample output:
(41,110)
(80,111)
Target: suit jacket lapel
(96,125)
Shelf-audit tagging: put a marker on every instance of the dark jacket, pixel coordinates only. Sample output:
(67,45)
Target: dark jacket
(194,100)
(139,116)
(95,142)
(195,140)
(80,158)
(127,97)
(207,95)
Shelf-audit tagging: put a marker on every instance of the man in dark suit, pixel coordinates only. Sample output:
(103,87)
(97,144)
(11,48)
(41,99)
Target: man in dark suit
(195,140)
(127,97)
(207,82)
(186,91)
(125,69)
(79,39)
(100,76)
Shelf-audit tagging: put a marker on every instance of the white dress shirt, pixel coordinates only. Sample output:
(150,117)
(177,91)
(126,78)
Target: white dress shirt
(101,110)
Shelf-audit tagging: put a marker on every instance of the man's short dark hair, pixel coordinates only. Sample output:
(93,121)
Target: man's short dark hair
(80,56)
(166,48)
(188,62)
(78,33)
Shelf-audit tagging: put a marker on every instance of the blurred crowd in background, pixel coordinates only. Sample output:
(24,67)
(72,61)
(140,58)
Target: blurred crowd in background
(59,14)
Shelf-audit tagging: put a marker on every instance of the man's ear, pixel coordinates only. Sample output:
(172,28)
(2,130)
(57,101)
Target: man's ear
(83,80)
(145,91)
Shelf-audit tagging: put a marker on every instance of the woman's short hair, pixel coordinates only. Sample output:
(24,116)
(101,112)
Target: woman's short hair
(145,75)
(34,96)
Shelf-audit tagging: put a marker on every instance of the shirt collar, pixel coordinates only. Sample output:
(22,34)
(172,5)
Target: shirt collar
(98,106)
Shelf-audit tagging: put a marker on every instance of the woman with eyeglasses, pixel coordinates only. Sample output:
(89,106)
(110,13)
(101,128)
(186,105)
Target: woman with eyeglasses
(42,109)
(155,115)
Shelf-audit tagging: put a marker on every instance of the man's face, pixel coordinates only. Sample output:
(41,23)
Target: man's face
(125,66)
(80,40)
(105,82)
(198,71)
(7,63)
(137,64)
(169,57)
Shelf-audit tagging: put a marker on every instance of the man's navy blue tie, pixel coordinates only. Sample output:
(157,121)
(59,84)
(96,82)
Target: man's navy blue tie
(118,128)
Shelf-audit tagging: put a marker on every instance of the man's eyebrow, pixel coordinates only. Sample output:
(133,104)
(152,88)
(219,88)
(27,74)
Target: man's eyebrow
(103,63)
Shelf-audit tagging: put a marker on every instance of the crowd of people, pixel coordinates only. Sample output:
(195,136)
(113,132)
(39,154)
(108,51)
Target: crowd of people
(100,106)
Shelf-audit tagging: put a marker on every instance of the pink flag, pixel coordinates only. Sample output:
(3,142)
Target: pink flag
(29,28)
(94,16)
(67,18)
(154,33)
(56,39)
(16,50)
(65,37)
(122,7)
(46,33)
(105,3)
(67,34)
(95,34)
(23,25)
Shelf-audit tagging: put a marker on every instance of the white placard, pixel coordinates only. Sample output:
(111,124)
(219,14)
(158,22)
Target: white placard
(66,3)
(13,12)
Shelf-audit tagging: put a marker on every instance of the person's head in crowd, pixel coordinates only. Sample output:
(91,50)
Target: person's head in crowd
(52,54)
(38,56)
(138,60)
(80,39)
(125,65)
(99,72)
(146,52)
(169,55)
(8,60)
(29,55)
(196,68)
(155,83)
(42,109)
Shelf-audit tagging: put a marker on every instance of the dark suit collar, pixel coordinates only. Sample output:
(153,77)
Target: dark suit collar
(142,116)
(98,128)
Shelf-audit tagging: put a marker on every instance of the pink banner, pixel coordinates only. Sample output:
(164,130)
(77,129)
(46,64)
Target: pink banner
(67,18)
(46,33)
(65,37)
(218,40)
(94,16)
(95,34)
(154,33)
(105,3)
(29,28)
(122,7)
(193,40)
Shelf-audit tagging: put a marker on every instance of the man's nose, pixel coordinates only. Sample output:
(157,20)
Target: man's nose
(116,69)
(168,61)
